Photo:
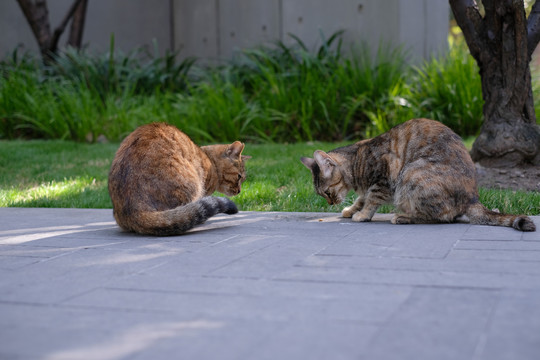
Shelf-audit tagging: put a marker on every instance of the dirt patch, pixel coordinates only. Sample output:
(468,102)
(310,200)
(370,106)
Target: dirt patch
(523,178)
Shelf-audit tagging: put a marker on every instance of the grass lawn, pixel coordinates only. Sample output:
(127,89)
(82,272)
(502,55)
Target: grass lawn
(68,174)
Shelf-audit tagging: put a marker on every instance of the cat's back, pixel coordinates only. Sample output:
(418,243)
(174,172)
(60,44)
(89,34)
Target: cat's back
(157,166)
(160,182)
(417,139)
(420,132)
(419,143)
(154,141)
(431,141)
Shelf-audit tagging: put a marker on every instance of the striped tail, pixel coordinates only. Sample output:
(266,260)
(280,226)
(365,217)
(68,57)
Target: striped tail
(478,214)
(179,220)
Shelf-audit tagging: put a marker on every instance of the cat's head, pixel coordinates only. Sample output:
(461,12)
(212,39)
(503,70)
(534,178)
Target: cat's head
(327,177)
(232,171)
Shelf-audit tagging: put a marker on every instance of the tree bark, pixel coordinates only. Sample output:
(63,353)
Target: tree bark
(502,42)
(77,25)
(37,15)
(53,46)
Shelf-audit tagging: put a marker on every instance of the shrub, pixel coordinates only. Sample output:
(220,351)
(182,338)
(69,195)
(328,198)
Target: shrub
(449,89)
(139,72)
(272,93)
(322,95)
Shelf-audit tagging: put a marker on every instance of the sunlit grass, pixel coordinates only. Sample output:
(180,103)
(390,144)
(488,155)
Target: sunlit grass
(54,174)
(66,174)
(81,192)
(277,180)
(468,141)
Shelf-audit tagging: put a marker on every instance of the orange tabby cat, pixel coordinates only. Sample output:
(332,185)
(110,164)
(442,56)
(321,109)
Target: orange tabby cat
(421,166)
(160,181)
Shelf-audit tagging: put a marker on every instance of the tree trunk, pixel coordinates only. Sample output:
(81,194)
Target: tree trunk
(499,42)
(77,25)
(53,46)
(37,15)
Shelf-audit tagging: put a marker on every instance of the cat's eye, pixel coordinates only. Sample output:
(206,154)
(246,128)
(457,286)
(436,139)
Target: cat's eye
(239,176)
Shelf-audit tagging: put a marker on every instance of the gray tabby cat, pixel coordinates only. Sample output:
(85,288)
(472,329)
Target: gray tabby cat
(420,166)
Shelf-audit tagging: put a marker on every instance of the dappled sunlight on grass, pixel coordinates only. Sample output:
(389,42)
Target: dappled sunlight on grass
(65,193)
(30,176)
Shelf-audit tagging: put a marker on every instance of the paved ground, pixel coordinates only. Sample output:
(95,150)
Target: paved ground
(265,286)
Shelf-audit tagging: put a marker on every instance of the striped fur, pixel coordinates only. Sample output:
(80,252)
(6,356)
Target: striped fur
(160,182)
(420,166)
(181,219)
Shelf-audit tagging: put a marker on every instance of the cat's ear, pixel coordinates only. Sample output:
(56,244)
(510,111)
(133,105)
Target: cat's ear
(325,162)
(234,151)
(308,162)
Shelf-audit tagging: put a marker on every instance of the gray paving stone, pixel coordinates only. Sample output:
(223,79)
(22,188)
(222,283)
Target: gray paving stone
(213,339)
(381,296)
(382,240)
(316,339)
(456,265)
(513,328)
(61,332)
(512,245)
(265,286)
(436,323)
(412,277)
(495,255)
(481,232)
(14,262)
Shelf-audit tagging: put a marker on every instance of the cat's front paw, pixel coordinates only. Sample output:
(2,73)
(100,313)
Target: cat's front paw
(348,212)
(359,217)
(401,219)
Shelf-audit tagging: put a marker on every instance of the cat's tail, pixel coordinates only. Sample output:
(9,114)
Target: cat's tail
(478,214)
(179,220)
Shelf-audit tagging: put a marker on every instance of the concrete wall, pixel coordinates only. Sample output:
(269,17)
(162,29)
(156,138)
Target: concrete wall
(215,29)
(219,28)
(133,22)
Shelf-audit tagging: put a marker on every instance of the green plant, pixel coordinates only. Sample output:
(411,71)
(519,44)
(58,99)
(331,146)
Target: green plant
(138,72)
(277,93)
(449,89)
(54,174)
(380,100)
(68,174)
(511,201)
(31,109)
(322,94)
(219,111)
